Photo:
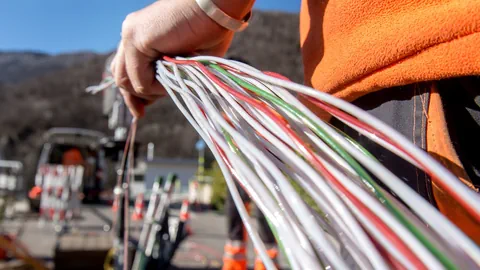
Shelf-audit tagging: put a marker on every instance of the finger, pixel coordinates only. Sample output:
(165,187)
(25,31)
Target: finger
(218,49)
(113,57)
(135,104)
(141,71)
(120,74)
(112,65)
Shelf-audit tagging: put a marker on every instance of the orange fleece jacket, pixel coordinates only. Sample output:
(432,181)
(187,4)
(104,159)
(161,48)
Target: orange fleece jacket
(354,47)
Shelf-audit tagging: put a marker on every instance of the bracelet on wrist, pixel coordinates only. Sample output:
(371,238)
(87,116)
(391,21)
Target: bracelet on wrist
(223,19)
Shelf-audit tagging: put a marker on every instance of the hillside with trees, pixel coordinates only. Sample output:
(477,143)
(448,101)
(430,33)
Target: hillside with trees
(40,91)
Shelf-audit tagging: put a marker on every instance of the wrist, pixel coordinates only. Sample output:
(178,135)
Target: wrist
(236,9)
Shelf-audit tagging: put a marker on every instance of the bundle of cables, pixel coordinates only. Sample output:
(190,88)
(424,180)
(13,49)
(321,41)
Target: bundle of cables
(269,142)
(263,137)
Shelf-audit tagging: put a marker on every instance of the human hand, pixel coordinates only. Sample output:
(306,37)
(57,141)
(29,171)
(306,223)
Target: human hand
(167,27)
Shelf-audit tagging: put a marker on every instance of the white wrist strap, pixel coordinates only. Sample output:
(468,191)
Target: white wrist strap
(221,17)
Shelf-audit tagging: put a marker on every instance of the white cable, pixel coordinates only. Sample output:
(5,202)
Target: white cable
(339,206)
(383,143)
(243,169)
(430,215)
(272,169)
(272,188)
(346,218)
(230,183)
(94,89)
(265,154)
(405,235)
(443,174)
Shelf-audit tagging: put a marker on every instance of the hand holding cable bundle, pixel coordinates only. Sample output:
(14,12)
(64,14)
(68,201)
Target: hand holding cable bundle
(169,27)
(264,138)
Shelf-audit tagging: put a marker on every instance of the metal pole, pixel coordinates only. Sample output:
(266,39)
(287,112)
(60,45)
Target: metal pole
(147,225)
(120,220)
(201,165)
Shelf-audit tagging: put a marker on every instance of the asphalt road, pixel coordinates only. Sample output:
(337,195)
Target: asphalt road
(202,250)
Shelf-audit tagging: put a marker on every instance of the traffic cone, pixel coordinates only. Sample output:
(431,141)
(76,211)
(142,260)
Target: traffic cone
(196,190)
(139,205)
(35,192)
(51,212)
(115,204)
(59,192)
(185,216)
(61,214)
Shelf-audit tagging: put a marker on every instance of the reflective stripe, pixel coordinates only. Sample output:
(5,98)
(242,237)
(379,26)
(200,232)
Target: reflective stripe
(235,250)
(274,260)
(271,246)
(235,243)
(271,252)
(235,247)
(235,257)
(260,266)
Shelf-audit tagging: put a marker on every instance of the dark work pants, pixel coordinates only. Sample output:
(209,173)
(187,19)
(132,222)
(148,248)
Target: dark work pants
(405,109)
(236,230)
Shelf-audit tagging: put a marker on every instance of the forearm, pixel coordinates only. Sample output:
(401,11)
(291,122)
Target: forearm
(237,9)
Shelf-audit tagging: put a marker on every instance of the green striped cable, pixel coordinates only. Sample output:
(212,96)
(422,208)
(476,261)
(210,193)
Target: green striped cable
(366,179)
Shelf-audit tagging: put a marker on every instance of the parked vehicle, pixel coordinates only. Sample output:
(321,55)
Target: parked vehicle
(74,146)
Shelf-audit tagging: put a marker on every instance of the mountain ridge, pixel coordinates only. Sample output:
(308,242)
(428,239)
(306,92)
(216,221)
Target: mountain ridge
(39,91)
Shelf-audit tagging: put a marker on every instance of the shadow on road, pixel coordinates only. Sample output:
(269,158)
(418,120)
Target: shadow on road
(203,235)
(192,268)
(100,215)
(205,268)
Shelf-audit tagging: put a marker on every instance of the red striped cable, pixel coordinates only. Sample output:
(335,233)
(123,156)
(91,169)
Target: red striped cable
(308,154)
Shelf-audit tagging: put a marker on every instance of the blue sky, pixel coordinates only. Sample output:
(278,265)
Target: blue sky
(57,26)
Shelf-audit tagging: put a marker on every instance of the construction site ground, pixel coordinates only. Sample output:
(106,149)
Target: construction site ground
(88,239)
